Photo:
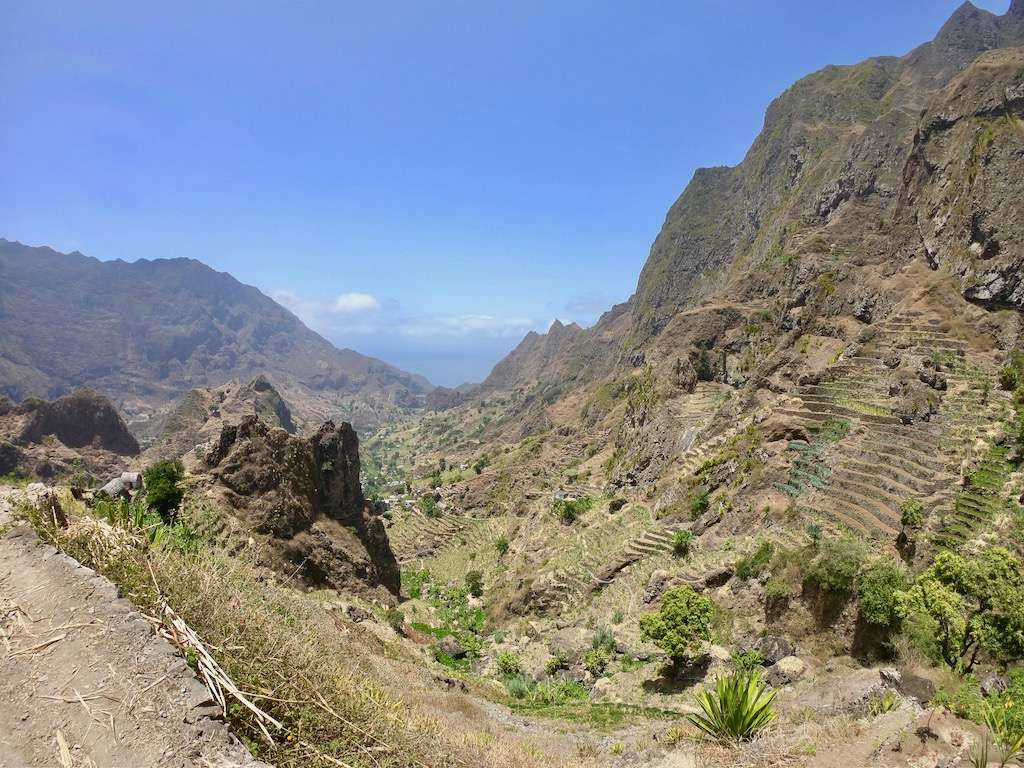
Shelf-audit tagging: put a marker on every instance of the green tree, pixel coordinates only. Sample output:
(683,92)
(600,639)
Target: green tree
(163,493)
(682,624)
(976,605)
(911,512)
(838,563)
(878,587)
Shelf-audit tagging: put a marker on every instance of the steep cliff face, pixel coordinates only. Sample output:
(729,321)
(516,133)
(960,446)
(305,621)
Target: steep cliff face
(836,142)
(964,188)
(303,498)
(840,178)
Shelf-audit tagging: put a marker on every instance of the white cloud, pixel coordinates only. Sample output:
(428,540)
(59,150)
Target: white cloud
(348,303)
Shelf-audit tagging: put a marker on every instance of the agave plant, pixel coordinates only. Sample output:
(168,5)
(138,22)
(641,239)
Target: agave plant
(738,707)
(1005,733)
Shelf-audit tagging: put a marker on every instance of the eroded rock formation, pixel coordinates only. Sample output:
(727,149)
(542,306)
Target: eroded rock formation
(302,497)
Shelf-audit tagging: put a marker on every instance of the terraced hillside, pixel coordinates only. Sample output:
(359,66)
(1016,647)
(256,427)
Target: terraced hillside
(862,478)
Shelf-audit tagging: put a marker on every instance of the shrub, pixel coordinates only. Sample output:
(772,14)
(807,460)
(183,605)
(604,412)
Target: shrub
(776,589)
(413,581)
(911,512)
(603,638)
(568,510)
(976,605)
(681,542)
(509,663)
(501,545)
(475,583)
(429,505)
(395,619)
(595,660)
(814,531)
(699,501)
(879,705)
(556,662)
(748,661)
(518,686)
(163,493)
(1009,378)
(877,589)
(552,692)
(618,616)
(756,562)
(681,625)
(738,708)
(838,563)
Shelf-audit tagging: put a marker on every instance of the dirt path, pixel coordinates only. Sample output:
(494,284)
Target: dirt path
(85,682)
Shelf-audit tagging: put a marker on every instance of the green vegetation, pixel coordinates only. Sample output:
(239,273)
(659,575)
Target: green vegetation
(413,581)
(681,543)
(509,664)
(911,513)
(556,662)
(395,619)
(879,705)
(595,660)
(475,583)
(681,625)
(738,708)
(501,545)
(569,510)
(163,492)
(140,518)
(838,563)
(974,605)
(17,481)
(429,505)
(747,661)
(756,562)
(699,502)
(254,629)
(878,586)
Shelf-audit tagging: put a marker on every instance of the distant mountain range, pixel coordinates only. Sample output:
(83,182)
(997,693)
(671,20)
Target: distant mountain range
(146,332)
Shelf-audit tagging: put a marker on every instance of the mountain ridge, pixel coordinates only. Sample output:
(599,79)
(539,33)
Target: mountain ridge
(148,331)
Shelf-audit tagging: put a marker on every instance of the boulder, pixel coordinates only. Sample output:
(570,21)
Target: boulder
(786,670)
(933,378)
(773,648)
(656,585)
(994,684)
(710,518)
(451,646)
(891,678)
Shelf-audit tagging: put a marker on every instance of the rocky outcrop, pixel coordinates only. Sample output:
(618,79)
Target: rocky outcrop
(83,418)
(201,415)
(302,497)
(79,433)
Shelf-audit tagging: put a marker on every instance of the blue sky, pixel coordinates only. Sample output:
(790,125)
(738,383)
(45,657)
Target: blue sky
(420,181)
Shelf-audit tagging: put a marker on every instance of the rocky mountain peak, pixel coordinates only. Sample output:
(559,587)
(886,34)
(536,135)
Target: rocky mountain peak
(1016,9)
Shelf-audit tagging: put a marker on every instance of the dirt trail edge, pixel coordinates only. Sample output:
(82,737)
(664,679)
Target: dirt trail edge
(84,680)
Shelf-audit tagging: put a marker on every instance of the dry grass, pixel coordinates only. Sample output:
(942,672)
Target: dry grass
(785,745)
(286,652)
